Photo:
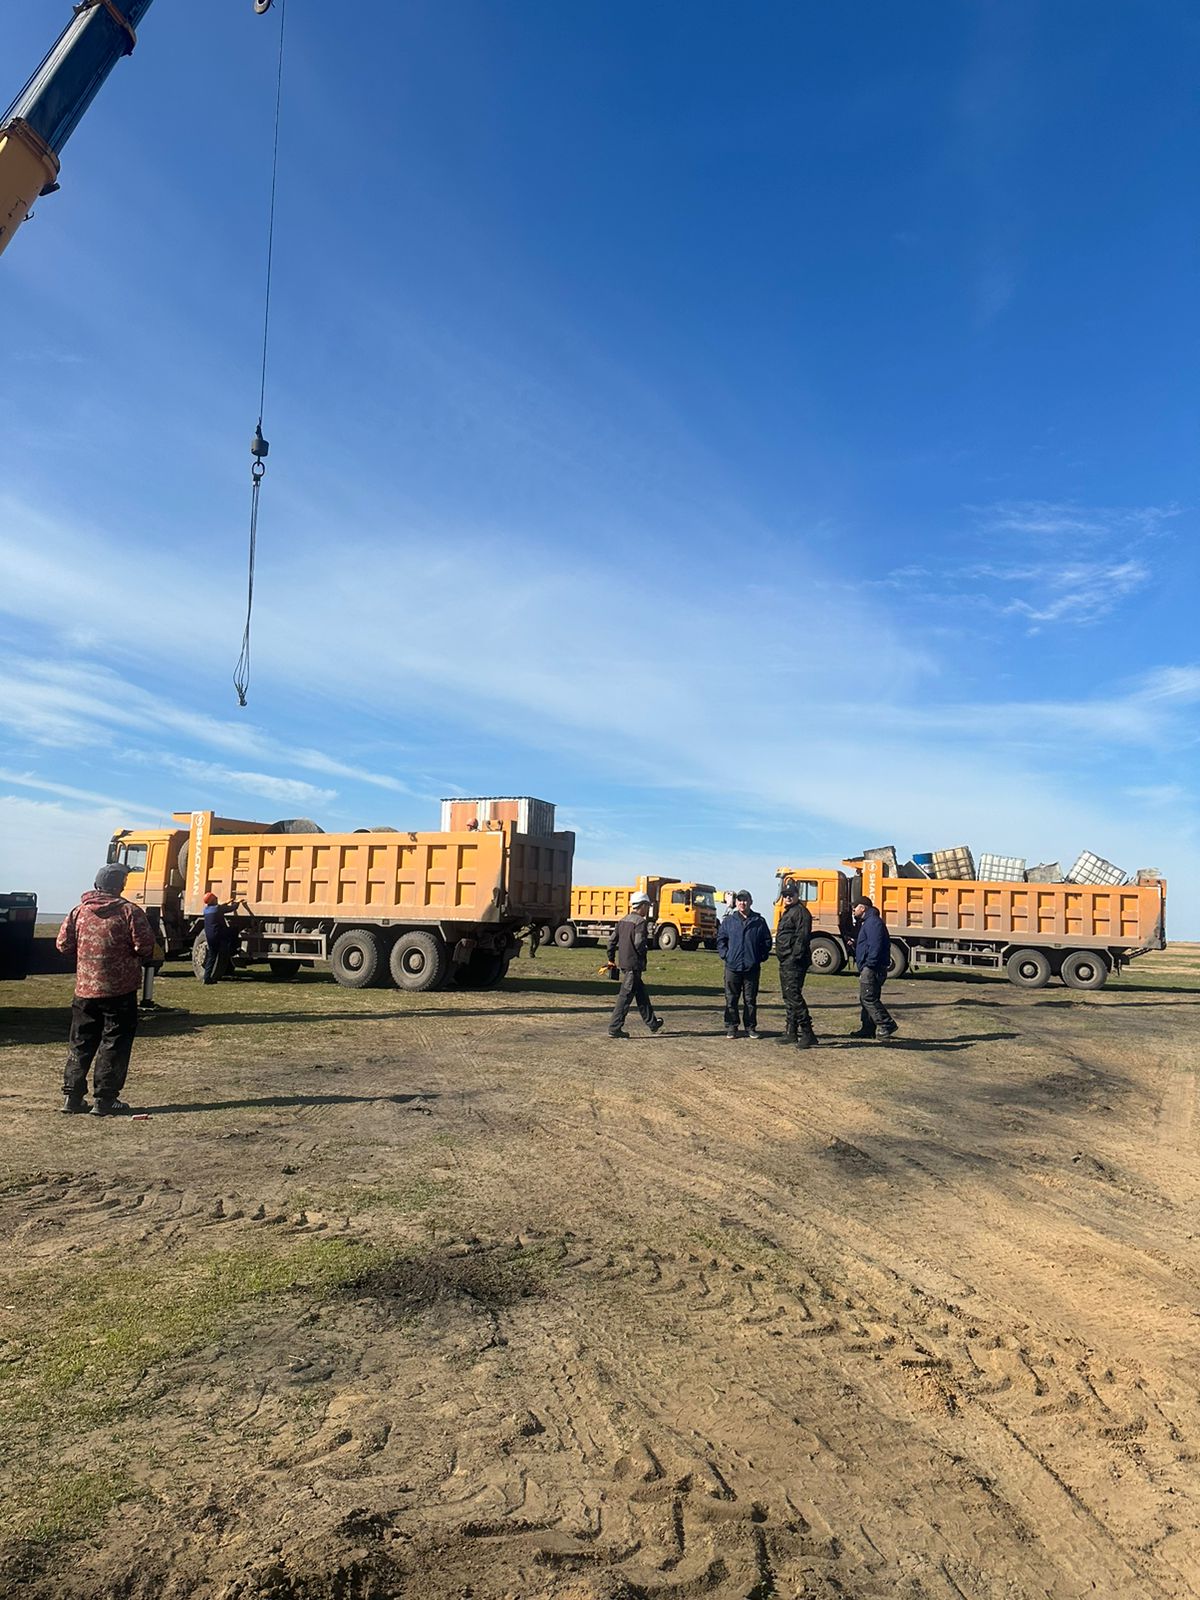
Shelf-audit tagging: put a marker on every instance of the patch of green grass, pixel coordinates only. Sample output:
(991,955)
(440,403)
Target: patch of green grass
(84,1341)
(69,1504)
(100,1330)
(737,1245)
(409,1198)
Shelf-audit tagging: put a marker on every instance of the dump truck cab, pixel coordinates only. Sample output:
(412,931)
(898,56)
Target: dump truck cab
(157,863)
(155,881)
(684,914)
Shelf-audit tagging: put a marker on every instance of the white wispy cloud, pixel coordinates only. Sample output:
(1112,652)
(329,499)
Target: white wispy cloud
(1044,563)
(207,775)
(66,791)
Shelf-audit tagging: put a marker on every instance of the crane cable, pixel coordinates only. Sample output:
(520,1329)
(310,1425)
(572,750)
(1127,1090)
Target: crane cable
(258,445)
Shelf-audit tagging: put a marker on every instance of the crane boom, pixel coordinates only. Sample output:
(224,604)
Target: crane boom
(46,112)
(44,115)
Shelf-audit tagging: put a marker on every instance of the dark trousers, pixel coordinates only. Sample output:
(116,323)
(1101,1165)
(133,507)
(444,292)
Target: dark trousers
(101,1034)
(875,1016)
(791,984)
(743,987)
(631,993)
(216,966)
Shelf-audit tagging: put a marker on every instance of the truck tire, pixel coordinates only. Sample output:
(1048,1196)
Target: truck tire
(1028,969)
(419,961)
(356,959)
(667,937)
(689,945)
(566,937)
(826,956)
(199,951)
(484,970)
(897,960)
(283,966)
(1085,969)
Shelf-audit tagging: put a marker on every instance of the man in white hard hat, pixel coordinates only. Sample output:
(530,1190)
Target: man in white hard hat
(627,949)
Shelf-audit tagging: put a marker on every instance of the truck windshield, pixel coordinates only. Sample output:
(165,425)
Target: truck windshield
(704,898)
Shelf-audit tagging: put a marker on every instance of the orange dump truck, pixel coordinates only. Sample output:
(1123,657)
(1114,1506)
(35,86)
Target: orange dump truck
(681,914)
(1078,932)
(421,910)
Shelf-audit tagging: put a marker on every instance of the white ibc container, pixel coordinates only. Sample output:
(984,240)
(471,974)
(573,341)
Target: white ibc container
(1001,869)
(1089,868)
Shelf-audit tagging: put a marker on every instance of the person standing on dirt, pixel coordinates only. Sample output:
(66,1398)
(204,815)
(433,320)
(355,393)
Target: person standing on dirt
(111,940)
(793,938)
(872,952)
(218,940)
(743,943)
(627,950)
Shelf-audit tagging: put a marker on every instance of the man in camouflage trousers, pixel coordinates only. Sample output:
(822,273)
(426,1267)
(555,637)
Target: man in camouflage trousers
(111,940)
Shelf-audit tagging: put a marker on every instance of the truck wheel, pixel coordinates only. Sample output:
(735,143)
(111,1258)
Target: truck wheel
(826,957)
(419,961)
(689,944)
(199,951)
(356,958)
(283,966)
(566,937)
(667,937)
(1028,969)
(484,970)
(1085,969)
(897,960)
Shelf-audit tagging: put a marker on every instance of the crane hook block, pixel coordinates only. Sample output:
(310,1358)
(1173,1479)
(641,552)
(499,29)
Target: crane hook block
(259,448)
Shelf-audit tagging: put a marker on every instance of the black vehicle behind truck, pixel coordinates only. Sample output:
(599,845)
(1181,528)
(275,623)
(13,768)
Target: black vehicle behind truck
(18,919)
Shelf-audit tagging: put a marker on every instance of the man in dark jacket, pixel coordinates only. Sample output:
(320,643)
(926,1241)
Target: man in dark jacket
(743,943)
(627,949)
(218,940)
(872,950)
(111,940)
(793,937)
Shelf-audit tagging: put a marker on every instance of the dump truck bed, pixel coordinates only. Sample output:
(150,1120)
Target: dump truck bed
(1077,915)
(490,876)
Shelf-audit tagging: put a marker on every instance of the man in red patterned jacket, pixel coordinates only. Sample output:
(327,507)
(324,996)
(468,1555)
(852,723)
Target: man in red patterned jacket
(111,940)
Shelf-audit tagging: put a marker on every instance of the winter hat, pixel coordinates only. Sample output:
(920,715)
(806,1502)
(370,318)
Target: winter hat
(111,878)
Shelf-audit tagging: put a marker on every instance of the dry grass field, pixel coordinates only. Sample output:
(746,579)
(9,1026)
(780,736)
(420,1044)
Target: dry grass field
(450,1296)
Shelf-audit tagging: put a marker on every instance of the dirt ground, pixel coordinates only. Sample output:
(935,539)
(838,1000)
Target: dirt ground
(450,1296)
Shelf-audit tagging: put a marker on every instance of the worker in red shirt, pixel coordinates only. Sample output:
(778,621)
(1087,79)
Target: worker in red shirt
(111,940)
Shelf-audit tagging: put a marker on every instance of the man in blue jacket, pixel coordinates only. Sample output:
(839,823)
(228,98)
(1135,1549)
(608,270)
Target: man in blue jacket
(743,943)
(872,950)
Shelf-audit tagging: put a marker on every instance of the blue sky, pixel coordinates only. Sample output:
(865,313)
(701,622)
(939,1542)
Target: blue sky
(763,431)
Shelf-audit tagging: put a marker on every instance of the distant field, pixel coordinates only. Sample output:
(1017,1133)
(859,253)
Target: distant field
(450,1295)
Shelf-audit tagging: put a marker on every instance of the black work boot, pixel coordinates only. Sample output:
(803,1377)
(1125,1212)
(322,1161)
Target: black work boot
(807,1040)
(74,1105)
(110,1108)
(862,1033)
(788,1036)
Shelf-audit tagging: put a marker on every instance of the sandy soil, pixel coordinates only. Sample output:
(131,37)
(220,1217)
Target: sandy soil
(547,1315)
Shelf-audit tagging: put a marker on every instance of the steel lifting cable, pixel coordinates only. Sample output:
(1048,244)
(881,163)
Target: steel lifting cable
(258,445)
